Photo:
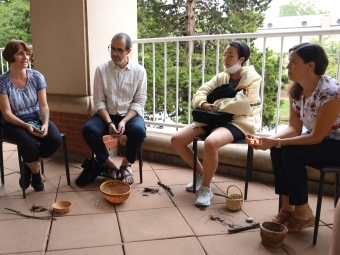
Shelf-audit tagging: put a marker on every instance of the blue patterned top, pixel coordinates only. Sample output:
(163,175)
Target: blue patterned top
(326,90)
(24,102)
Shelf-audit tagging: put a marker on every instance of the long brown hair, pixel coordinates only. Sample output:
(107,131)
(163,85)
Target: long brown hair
(308,52)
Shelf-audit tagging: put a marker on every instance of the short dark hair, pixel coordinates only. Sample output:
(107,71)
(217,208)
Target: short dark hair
(128,43)
(309,52)
(12,47)
(242,50)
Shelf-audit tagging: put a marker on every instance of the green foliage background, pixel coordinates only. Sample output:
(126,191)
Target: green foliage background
(168,18)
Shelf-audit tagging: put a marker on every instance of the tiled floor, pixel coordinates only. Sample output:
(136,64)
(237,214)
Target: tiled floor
(155,224)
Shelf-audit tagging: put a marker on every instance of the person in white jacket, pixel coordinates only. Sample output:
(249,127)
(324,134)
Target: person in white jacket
(242,84)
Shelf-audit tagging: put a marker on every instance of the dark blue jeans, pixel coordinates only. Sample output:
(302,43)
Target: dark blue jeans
(32,147)
(96,128)
(289,167)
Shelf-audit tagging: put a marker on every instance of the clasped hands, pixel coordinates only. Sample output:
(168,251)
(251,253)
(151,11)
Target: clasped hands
(116,132)
(260,143)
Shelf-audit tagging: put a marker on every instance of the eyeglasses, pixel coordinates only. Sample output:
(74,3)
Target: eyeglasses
(110,48)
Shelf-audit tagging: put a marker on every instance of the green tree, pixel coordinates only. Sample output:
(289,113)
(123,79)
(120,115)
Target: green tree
(235,17)
(299,8)
(332,50)
(15,21)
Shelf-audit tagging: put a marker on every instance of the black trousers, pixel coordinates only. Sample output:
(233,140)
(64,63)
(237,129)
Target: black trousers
(32,147)
(289,167)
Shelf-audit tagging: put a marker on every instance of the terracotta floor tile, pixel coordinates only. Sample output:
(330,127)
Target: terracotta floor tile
(24,205)
(301,243)
(106,250)
(243,243)
(186,245)
(159,166)
(155,224)
(84,231)
(137,201)
(23,235)
(201,224)
(144,225)
(175,176)
(86,202)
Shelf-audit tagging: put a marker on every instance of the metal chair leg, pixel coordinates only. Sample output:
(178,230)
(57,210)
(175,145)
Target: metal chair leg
(318,207)
(67,169)
(249,169)
(2,164)
(141,165)
(280,202)
(194,147)
(336,187)
(22,179)
(42,169)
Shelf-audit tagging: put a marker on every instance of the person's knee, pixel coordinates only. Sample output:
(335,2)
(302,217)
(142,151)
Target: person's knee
(87,130)
(175,140)
(210,144)
(137,133)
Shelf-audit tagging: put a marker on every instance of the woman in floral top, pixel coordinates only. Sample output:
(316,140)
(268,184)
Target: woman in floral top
(315,105)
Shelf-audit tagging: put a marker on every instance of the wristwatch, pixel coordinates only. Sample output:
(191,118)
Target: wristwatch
(278,143)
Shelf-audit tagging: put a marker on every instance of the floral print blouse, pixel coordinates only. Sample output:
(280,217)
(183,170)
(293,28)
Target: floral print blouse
(326,90)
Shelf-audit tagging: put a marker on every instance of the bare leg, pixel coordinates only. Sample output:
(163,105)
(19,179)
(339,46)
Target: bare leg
(285,204)
(129,178)
(219,137)
(303,212)
(110,164)
(182,139)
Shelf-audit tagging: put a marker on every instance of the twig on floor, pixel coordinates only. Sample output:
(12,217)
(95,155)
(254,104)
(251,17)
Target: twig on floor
(167,188)
(32,217)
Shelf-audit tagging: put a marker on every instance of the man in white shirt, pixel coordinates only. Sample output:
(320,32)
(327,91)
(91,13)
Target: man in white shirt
(119,95)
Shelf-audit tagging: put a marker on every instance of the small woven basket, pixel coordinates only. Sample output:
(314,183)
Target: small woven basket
(235,202)
(114,191)
(272,233)
(62,206)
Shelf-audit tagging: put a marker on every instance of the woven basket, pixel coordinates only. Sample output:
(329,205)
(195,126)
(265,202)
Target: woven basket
(115,191)
(62,206)
(234,203)
(272,233)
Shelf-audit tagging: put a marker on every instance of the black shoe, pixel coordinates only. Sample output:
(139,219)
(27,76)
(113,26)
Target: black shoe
(37,183)
(27,177)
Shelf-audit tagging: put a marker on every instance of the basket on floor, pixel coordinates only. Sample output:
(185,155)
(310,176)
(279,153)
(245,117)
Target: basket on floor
(115,191)
(61,206)
(273,233)
(235,202)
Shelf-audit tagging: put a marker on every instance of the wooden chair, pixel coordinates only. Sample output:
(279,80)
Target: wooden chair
(21,163)
(323,170)
(249,166)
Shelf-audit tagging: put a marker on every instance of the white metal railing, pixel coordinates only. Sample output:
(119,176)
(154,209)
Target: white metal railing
(278,41)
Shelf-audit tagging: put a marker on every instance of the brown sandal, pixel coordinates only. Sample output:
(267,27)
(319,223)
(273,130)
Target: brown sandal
(282,216)
(295,225)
